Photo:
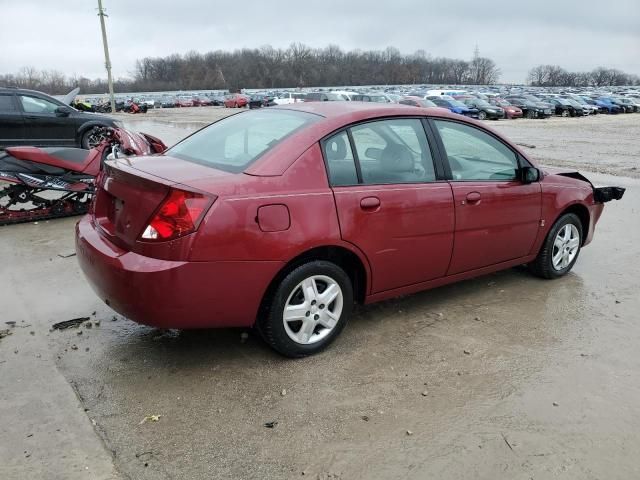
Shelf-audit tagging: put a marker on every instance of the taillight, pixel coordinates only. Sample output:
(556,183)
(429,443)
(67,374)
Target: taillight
(178,215)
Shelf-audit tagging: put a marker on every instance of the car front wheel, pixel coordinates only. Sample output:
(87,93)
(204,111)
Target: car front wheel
(308,310)
(92,137)
(560,249)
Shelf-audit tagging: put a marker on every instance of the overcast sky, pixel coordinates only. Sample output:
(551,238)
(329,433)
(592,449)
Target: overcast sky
(576,34)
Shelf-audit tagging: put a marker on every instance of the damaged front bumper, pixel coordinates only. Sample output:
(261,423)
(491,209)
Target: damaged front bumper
(600,194)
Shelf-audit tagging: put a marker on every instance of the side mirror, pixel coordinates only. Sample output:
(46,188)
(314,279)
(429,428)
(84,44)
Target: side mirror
(62,112)
(529,174)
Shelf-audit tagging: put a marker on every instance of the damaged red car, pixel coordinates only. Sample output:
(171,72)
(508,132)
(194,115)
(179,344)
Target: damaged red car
(283,218)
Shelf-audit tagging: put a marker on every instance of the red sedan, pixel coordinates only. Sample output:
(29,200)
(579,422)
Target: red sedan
(510,111)
(285,217)
(184,102)
(236,100)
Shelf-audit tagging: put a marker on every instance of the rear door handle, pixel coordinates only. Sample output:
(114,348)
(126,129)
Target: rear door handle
(370,203)
(473,197)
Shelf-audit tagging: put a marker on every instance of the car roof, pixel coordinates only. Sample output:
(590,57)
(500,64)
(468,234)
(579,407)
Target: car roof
(335,115)
(358,110)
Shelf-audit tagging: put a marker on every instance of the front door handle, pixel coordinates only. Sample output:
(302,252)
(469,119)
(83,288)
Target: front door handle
(473,198)
(370,203)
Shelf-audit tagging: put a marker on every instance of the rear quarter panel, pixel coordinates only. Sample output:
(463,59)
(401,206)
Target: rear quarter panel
(231,231)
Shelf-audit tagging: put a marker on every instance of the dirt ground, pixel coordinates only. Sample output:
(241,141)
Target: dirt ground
(505,376)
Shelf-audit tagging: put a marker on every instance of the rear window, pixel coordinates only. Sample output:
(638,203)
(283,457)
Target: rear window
(235,142)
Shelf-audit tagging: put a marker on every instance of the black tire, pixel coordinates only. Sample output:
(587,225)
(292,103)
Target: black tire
(531,114)
(86,141)
(542,266)
(271,324)
(482,115)
(565,113)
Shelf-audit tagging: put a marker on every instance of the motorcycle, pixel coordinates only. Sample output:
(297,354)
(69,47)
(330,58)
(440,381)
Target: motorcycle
(45,183)
(135,107)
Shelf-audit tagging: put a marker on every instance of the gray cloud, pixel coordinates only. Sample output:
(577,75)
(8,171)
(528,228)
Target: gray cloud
(576,34)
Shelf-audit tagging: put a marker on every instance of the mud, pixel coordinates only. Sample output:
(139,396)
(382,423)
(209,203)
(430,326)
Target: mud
(505,376)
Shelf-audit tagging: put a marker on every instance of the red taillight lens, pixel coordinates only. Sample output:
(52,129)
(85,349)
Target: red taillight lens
(179,215)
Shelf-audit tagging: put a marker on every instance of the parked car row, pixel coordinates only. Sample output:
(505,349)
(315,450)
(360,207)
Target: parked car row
(492,105)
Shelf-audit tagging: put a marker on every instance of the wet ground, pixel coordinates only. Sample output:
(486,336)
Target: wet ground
(505,376)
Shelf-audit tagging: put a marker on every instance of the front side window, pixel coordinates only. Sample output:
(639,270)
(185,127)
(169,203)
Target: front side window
(37,105)
(476,155)
(393,151)
(235,142)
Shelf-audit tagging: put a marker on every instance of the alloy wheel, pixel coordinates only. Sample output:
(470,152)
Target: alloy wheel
(565,246)
(313,309)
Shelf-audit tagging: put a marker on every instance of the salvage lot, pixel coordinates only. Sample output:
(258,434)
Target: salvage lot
(505,376)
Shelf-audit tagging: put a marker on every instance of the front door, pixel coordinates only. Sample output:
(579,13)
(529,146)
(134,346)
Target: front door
(43,127)
(389,202)
(497,215)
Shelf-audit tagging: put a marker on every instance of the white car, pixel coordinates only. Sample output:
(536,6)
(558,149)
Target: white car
(287,98)
(346,94)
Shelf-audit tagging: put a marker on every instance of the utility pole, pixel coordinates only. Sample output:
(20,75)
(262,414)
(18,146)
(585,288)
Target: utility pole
(107,62)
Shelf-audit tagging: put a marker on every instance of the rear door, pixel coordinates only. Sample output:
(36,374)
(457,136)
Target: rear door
(390,202)
(43,127)
(497,215)
(11,121)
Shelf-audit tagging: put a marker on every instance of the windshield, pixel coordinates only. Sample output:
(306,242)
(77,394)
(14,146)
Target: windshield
(235,142)
(502,103)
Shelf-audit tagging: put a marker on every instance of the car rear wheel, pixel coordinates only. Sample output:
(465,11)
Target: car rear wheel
(308,310)
(531,114)
(565,113)
(482,115)
(560,249)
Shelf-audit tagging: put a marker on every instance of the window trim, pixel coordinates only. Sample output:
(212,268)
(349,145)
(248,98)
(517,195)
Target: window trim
(433,149)
(521,161)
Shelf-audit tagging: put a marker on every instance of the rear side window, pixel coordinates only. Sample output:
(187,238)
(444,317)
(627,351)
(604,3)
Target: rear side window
(342,167)
(235,142)
(476,155)
(386,151)
(6,103)
(393,151)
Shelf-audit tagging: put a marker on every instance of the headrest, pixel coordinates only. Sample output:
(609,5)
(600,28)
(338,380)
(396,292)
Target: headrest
(336,148)
(396,158)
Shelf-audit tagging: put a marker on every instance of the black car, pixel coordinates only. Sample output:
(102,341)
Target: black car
(485,109)
(565,108)
(259,101)
(530,109)
(34,118)
(168,102)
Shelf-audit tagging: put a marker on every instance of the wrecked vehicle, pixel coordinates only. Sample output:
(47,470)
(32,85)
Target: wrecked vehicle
(283,218)
(44,183)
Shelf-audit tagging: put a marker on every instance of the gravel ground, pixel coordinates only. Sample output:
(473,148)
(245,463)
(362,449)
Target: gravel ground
(504,376)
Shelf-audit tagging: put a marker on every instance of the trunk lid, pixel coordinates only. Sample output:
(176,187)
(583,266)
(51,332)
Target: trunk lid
(132,189)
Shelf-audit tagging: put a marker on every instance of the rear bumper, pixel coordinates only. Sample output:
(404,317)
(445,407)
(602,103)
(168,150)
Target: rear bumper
(172,294)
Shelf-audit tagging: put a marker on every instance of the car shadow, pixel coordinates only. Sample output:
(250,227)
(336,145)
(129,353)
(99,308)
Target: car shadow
(226,347)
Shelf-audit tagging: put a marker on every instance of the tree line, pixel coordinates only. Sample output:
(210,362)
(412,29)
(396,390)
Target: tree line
(556,76)
(268,67)
(302,66)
